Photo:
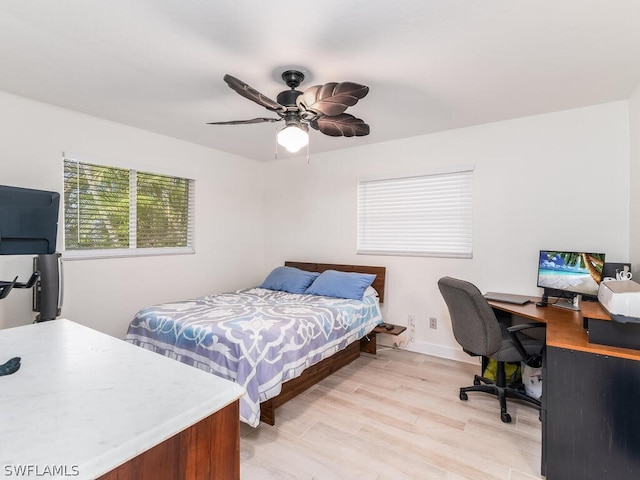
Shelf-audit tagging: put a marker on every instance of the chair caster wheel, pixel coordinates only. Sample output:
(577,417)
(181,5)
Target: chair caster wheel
(505,417)
(464,396)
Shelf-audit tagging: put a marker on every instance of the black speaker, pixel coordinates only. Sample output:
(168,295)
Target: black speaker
(47,293)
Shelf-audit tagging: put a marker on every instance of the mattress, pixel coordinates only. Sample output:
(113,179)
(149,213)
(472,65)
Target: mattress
(255,337)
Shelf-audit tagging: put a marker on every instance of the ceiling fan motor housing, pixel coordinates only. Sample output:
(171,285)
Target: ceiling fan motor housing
(293,78)
(288,97)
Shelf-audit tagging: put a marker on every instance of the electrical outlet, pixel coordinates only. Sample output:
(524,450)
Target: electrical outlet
(433,322)
(412,328)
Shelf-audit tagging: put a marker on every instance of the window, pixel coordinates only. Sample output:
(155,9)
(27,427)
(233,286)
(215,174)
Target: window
(428,215)
(110,211)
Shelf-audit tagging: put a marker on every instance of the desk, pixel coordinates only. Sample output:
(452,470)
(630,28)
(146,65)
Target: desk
(591,398)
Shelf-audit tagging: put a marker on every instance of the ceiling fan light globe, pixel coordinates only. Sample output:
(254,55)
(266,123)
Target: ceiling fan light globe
(293,138)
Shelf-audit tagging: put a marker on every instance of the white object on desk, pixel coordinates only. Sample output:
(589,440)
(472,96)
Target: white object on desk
(86,402)
(621,300)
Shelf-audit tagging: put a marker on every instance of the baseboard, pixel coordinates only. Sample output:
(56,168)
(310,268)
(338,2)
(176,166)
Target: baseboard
(438,351)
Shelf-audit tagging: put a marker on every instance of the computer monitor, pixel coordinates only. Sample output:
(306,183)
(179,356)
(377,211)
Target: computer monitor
(28,221)
(568,274)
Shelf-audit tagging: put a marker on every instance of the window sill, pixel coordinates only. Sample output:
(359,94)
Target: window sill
(71,255)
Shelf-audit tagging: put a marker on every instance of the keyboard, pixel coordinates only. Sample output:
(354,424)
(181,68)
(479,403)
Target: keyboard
(507,298)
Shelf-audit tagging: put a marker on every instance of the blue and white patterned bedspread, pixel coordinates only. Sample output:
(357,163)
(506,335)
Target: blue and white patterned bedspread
(258,338)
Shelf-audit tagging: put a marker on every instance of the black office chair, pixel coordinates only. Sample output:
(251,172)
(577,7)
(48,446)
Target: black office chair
(479,333)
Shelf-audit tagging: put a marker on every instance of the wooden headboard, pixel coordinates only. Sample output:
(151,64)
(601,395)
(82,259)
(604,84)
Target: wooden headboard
(379,272)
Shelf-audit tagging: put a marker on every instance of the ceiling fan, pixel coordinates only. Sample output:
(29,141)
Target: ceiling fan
(321,107)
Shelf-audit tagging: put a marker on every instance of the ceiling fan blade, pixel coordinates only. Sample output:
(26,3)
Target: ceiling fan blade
(331,98)
(252,94)
(342,125)
(246,122)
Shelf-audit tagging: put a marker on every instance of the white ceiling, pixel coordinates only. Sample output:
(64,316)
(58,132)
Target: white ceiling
(431,65)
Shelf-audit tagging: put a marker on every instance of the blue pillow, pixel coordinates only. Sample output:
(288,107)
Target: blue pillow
(289,279)
(332,283)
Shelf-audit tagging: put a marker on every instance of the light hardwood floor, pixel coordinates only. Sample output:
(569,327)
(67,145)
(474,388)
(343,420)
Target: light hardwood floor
(394,416)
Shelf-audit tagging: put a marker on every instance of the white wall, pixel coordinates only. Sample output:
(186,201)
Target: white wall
(105,294)
(551,181)
(634,180)
(555,181)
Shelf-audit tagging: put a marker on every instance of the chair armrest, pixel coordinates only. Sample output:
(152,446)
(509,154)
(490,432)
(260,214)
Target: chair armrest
(525,326)
(526,358)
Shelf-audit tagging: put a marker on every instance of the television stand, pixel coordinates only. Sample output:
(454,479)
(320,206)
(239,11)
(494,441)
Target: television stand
(568,304)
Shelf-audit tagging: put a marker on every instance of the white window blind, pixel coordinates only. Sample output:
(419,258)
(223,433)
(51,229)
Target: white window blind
(428,215)
(110,211)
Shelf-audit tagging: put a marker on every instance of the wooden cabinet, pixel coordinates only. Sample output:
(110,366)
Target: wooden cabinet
(99,407)
(208,450)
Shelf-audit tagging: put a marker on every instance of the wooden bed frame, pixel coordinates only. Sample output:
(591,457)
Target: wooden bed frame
(326,367)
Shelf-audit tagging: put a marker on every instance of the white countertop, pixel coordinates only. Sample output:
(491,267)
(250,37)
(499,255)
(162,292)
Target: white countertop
(84,402)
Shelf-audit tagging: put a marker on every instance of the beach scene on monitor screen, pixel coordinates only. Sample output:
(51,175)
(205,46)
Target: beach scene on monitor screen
(561,273)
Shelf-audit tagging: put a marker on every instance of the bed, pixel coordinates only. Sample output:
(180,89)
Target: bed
(273,343)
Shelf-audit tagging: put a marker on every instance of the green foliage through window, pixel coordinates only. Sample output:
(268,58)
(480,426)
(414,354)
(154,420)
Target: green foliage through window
(109,208)
(163,211)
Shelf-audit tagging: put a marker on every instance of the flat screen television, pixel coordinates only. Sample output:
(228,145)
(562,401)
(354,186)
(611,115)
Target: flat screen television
(28,221)
(567,274)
